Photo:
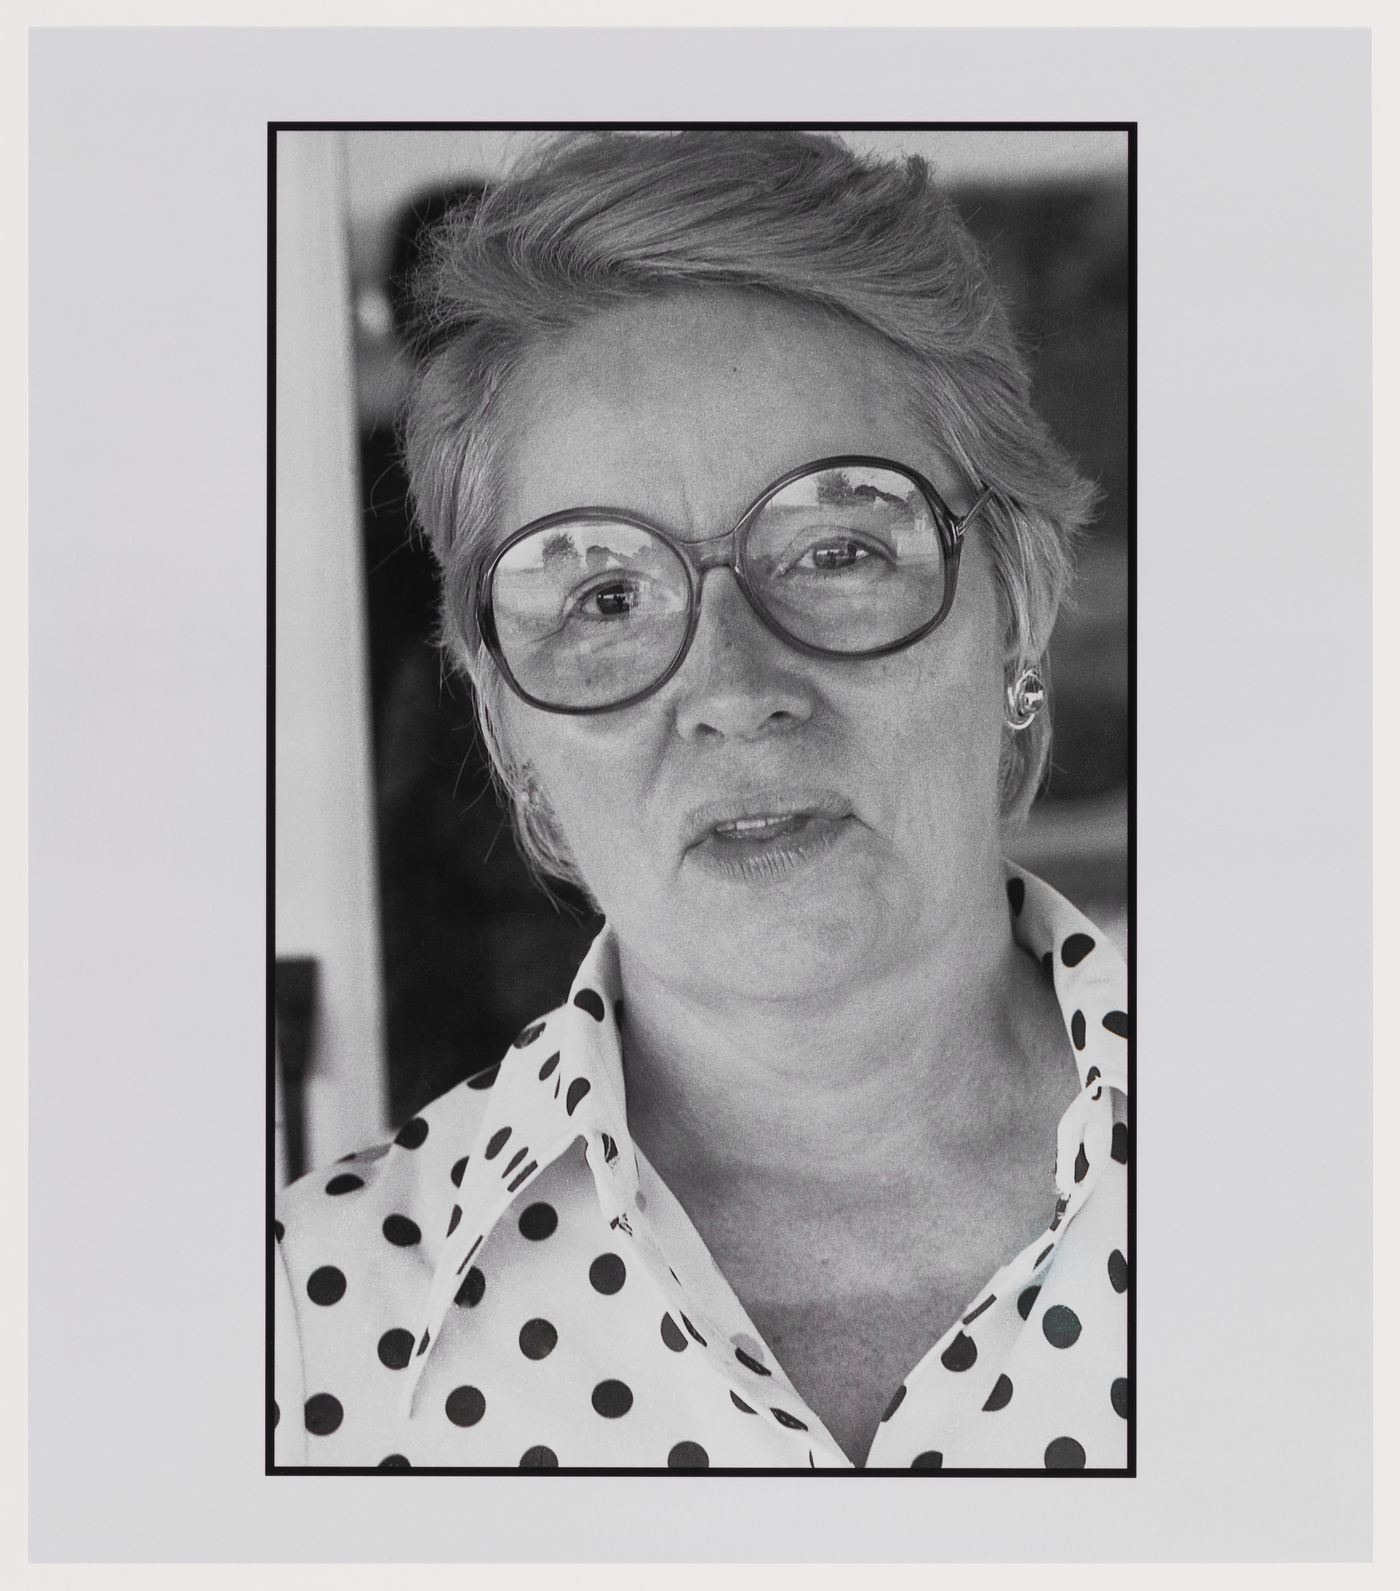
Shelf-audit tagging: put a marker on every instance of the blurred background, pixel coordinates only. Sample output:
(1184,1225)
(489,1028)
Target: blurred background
(411,944)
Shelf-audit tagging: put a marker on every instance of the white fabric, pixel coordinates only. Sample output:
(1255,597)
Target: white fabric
(509,1284)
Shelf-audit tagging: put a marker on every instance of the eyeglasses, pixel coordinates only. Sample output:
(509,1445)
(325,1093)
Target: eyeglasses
(594,609)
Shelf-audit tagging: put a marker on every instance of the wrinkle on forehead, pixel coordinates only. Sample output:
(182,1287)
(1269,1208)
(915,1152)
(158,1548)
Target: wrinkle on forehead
(604,416)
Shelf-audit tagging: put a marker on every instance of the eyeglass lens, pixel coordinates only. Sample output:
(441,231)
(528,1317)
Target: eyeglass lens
(590,612)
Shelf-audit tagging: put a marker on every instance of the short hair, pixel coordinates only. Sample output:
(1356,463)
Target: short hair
(596,220)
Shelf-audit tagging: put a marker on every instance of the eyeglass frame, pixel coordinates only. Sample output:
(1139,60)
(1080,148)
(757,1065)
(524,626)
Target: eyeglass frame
(729,554)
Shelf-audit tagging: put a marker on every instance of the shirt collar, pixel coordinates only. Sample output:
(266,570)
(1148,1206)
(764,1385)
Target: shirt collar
(562,1080)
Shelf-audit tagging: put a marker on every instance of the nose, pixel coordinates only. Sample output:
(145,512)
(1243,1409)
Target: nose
(739,681)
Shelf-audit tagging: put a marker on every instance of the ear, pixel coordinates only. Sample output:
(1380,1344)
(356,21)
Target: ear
(1026,629)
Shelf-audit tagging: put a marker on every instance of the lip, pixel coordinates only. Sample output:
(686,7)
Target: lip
(702,821)
(805,824)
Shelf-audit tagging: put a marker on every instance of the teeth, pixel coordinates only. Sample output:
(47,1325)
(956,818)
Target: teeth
(751,825)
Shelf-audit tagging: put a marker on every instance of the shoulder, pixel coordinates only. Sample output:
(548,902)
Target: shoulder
(387,1205)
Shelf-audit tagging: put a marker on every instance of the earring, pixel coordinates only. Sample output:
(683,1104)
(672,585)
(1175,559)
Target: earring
(1025,696)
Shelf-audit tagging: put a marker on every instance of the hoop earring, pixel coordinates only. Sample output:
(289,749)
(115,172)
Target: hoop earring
(1025,696)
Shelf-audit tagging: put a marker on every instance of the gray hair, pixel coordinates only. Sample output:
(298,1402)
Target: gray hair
(599,219)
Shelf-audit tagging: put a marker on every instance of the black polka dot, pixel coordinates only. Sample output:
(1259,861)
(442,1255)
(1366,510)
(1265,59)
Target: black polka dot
(612,1399)
(401,1232)
(1092,1076)
(496,1142)
(672,1335)
(514,1161)
(1064,1453)
(1026,1300)
(323,1414)
(1016,894)
(1075,948)
(485,1079)
(999,1396)
(687,1455)
(577,1089)
(587,1000)
(960,1354)
(1120,1142)
(607,1274)
(537,1339)
(469,1294)
(1118,1271)
(738,1402)
(413,1134)
(465,1405)
(527,1035)
(686,1322)
(346,1182)
(1081,1165)
(750,1363)
(1117,1022)
(538,1221)
(539,1458)
(278,1230)
(610,1154)
(1118,1397)
(395,1461)
(1076,1029)
(326,1285)
(789,1420)
(1061,1326)
(458,1171)
(396,1348)
(454,1220)
(893,1404)
(1044,1255)
(548,1068)
(1047,961)
(929,1460)
(424,1340)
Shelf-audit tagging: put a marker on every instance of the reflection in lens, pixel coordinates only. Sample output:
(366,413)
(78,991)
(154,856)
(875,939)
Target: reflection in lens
(589,612)
(848,558)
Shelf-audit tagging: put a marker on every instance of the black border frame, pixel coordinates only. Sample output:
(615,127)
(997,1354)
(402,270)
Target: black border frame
(1130,128)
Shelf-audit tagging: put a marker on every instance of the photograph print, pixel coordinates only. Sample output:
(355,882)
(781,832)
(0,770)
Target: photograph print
(702,769)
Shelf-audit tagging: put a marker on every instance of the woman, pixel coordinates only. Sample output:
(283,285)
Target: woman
(751,545)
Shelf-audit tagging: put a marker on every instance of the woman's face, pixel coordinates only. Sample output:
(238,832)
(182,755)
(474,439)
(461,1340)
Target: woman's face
(867,789)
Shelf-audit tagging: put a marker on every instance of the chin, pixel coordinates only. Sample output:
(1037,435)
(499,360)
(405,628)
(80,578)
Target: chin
(784,947)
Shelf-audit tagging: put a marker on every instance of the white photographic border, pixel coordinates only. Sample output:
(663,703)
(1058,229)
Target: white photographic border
(148,210)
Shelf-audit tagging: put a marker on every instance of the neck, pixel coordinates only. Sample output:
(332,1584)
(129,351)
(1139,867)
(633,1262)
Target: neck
(930,1060)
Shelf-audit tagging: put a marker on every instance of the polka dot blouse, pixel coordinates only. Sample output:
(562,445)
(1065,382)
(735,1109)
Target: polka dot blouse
(509,1284)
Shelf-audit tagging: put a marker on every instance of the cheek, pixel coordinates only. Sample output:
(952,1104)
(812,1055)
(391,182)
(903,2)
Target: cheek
(934,720)
(590,782)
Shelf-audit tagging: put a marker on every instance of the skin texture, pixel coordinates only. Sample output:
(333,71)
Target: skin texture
(847,1073)
(683,410)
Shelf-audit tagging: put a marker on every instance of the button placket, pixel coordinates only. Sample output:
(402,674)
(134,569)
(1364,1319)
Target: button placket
(617,1194)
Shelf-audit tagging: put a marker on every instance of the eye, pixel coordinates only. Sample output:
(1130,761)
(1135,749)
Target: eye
(608,599)
(833,552)
(613,601)
(838,555)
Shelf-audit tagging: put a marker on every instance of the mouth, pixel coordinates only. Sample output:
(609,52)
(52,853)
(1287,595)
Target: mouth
(764,837)
(756,830)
